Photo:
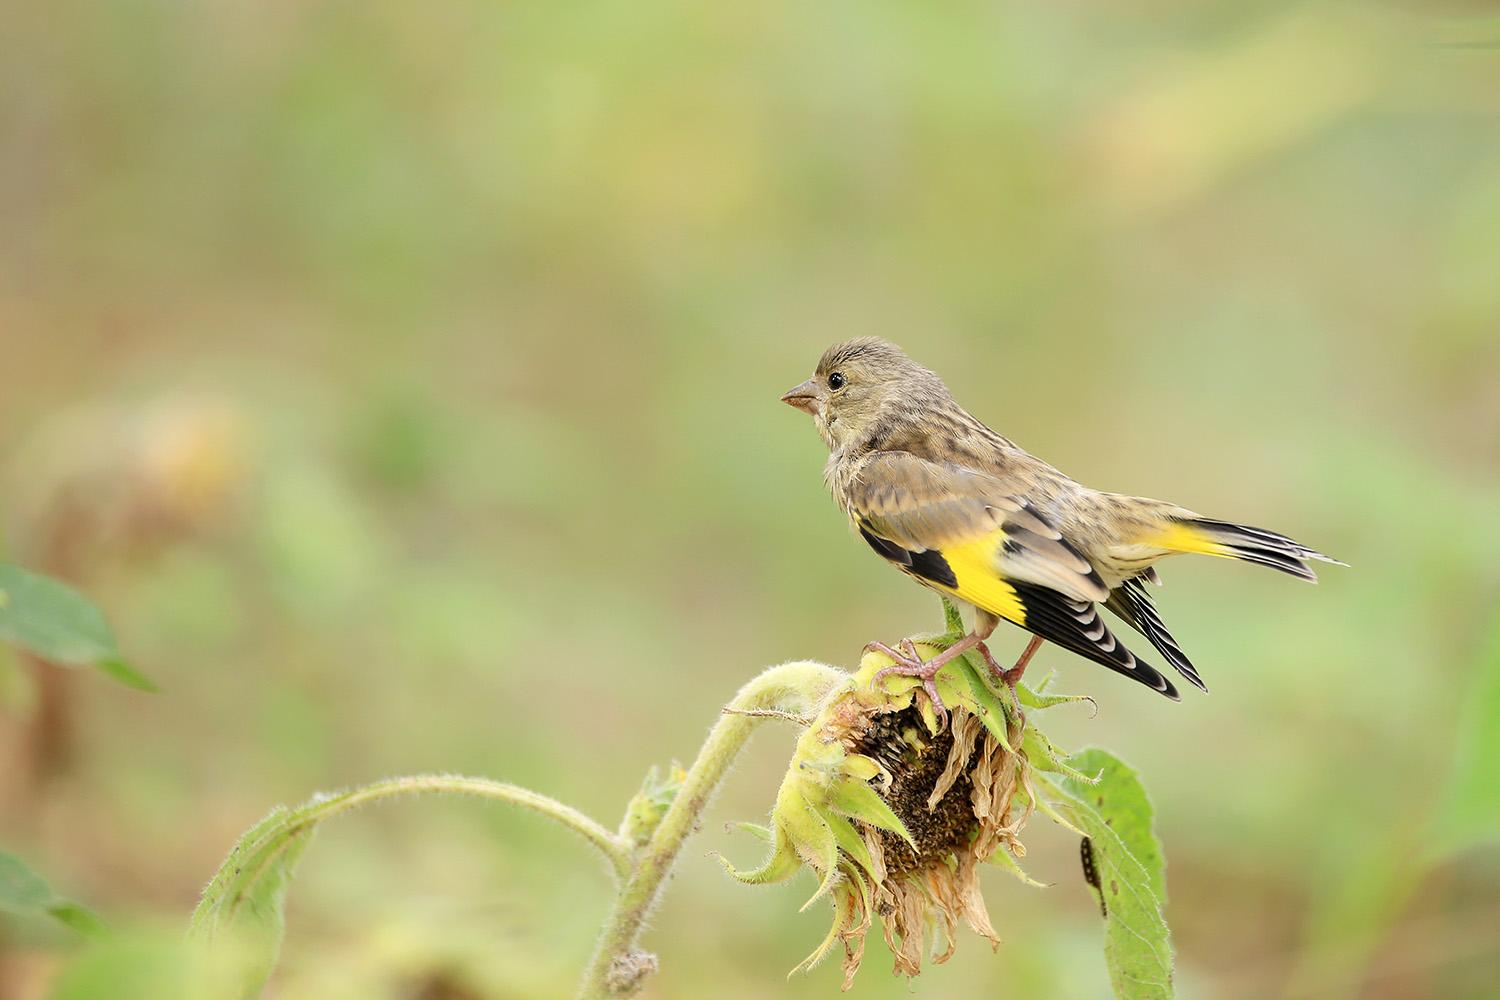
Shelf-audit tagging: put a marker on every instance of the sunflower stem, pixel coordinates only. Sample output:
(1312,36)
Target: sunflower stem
(611,847)
(619,968)
(953,620)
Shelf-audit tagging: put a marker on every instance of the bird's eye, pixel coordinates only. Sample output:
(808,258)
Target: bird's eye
(836,381)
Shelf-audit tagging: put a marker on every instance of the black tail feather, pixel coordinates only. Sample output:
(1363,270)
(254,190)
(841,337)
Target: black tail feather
(1259,546)
(1133,605)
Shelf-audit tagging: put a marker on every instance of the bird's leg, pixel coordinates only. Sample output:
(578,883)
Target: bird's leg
(989,658)
(1013,675)
(984,627)
(908,663)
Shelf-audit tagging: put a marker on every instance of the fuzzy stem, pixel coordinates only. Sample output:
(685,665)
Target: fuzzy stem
(618,969)
(953,620)
(612,847)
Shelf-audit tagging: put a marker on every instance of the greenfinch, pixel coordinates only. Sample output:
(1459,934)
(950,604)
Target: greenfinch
(967,512)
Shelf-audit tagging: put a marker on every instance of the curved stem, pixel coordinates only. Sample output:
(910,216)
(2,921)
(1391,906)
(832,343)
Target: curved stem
(608,844)
(246,895)
(266,845)
(617,968)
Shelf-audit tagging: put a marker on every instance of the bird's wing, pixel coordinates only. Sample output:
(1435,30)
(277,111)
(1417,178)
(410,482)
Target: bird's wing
(964,532)
(1077,626)
(1134,606)
(971,516)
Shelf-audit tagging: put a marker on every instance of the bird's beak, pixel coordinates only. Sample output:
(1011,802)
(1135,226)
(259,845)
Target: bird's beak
(804,397)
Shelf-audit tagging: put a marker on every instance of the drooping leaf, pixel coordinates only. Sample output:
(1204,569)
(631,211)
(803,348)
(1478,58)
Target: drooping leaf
(1121,799)
(245,903)
(1137,943)
(60,625)
(781,865)
(24,892)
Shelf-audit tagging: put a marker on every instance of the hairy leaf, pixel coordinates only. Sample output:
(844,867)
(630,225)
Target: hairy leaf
(246,901)
(1121,799)
(1137,943)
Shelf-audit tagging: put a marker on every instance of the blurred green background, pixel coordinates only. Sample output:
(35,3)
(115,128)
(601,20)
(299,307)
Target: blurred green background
(402,378)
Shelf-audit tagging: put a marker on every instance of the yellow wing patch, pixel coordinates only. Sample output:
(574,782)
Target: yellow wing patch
(979,583)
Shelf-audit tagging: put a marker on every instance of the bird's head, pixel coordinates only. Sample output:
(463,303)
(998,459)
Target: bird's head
(857,384)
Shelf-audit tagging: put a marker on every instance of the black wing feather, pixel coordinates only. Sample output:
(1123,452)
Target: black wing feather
(928,564)
(1077,627)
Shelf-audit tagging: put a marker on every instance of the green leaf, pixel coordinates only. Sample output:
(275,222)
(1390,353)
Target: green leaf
(953,620)
(850,842)
(1471,813)
(79,917)
(59,624)
(1137,943)
(245,903)
(991,711)
(126,674)
(1002,858)
(781,865)
(1121,799)
(857,800)
(756,830)
(644,811)
(1039,700)
(24,892)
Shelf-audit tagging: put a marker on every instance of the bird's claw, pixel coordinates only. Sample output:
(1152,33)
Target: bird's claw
(907,662)
(1010,677)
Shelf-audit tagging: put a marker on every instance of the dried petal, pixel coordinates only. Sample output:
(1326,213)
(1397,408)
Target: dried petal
(895,808)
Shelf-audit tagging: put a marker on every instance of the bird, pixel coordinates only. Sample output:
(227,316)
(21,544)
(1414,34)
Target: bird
(1001,533)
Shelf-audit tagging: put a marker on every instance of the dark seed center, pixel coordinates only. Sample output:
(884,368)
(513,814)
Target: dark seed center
(916,759)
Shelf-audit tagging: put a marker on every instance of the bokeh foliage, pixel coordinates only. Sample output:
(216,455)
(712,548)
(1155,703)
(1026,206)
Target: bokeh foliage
(499,298)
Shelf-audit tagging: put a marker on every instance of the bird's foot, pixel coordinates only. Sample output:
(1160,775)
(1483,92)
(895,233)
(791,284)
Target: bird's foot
(907,662)
(995,668)
(1012,676)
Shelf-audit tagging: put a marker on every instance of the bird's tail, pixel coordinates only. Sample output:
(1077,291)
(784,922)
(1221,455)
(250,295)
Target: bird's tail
(1208,537)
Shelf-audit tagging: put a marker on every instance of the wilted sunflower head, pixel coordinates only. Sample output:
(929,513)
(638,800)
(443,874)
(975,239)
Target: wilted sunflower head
(894,809)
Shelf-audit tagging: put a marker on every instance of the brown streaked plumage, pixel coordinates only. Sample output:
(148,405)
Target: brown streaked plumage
(970,514)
